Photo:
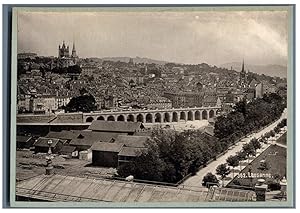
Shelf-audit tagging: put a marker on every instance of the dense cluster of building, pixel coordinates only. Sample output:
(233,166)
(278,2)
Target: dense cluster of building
(122,85)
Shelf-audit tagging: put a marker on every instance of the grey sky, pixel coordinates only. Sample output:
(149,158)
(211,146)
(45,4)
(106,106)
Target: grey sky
(185,37)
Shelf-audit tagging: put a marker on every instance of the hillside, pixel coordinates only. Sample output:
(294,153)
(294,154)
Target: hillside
(135,60)
(271,69)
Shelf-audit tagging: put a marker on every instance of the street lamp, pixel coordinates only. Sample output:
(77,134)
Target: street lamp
(49,144)
(49,157)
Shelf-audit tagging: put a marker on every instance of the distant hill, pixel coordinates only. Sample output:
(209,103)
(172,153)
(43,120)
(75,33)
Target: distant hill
(135,60)
(271,69)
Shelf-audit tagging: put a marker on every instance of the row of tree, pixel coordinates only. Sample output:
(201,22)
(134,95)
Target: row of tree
(234,160)
(249,117)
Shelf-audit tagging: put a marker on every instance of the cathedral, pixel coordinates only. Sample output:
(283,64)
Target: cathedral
(64,57)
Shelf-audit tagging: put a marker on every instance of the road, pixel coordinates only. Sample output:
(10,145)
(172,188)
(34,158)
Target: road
(196,180)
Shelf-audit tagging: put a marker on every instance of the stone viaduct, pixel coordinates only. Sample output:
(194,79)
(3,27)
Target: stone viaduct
(154,116)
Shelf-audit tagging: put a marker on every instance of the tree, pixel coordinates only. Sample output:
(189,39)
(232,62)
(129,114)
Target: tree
(272,133)
(263,166)
(83,91)
(255,143)
(223,171)
(209,179)
(241,106)
(268,134)
(74,69)
(249,150)
(233,161)
(241,156)
(276,129)
(84,103)
(247,117)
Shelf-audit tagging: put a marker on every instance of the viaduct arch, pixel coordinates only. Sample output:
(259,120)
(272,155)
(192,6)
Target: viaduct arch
(154,116)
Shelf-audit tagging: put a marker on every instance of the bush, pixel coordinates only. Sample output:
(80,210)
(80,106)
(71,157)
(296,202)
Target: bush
(209,179)
(273,186)
(264,166)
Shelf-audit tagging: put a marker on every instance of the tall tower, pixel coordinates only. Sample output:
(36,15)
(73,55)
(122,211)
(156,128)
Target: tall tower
(243,75)
(74,54)
(243,67)
(74,50)
(63,51)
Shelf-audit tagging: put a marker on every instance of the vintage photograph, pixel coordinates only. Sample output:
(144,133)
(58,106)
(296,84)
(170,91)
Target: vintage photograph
(153,105)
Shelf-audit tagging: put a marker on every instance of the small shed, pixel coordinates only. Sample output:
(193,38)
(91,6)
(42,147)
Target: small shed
(106,154)
(24,142)
(68,151)
(85,155)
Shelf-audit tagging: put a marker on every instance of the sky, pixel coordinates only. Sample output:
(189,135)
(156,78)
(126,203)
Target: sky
(213,37)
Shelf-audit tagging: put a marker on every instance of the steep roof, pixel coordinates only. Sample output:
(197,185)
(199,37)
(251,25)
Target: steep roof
(210,99)
(66,149)
(107,147)
(43,142)
(64,134)
(132,140)
(131,151)
(91,137)
(115,126)
(253,83)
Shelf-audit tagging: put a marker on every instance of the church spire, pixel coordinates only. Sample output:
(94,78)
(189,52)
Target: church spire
(74,50)
(243,66)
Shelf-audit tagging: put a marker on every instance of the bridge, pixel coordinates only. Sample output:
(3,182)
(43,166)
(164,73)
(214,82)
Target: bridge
(154,116)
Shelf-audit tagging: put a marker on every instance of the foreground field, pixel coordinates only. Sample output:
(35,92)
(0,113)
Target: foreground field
(29,165)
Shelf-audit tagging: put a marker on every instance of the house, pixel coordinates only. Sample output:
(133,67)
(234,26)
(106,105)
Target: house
(42,145)
(123,150)
(24,142)
(133,147)
(116,126)
(106,154)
